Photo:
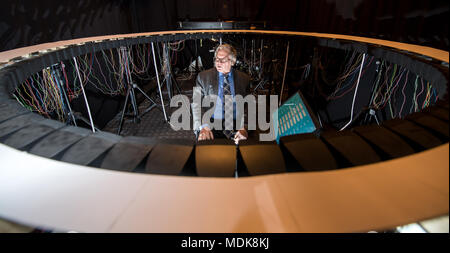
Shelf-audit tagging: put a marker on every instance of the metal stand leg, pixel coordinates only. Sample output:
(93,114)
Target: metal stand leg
(260,85)
(131,95)
(63,91)
(84,95)
(159,84)
(136,118)
(284,74)
(123,111)
(147,97)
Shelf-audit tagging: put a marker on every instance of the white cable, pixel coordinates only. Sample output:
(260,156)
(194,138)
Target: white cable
(284,73)
(356,91)
(84,95)
(159,84)
(260,59)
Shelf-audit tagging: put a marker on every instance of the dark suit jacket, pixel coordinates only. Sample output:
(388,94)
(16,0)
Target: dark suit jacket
(208,84)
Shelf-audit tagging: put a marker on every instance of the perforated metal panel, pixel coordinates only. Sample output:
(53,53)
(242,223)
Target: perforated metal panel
(127,154)
(32,132)
(89,148)
(262,158)
(216,158)
(58,141)
(168,159)
(352,147)
(310,152)
(385,140)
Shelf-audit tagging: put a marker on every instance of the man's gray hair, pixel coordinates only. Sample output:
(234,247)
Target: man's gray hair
(232,53)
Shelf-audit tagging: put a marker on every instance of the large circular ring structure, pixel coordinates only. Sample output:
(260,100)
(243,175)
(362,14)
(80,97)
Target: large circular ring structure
(47,193)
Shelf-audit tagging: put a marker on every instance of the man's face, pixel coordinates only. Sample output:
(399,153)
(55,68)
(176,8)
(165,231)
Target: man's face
(222,62)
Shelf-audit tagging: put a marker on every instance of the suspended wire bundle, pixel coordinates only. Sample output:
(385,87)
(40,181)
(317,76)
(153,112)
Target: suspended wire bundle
(389,79)
(391,87)
(165,68)
(85,68)
(91,72)
(140,60)
(251,57)
(46,94)
(351,70)
(109,71)
(344,71)
(176,46)
(115,69)
(342,81)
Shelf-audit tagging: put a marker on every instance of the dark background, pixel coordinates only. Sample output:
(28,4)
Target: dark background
(24,23)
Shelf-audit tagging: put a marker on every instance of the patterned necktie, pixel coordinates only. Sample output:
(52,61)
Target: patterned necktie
(228,106)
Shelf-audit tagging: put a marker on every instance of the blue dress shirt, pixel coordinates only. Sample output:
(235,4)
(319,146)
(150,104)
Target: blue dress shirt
(219,110)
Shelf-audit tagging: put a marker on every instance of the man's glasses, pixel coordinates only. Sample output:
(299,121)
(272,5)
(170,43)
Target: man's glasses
(221,60)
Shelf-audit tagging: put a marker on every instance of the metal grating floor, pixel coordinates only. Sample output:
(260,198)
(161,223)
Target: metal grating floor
(152,123)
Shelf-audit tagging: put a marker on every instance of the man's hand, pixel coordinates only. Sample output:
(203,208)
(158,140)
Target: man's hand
(205,134)
(241,134)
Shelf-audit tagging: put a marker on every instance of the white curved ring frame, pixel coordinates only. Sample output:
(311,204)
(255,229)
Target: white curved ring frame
(41,192)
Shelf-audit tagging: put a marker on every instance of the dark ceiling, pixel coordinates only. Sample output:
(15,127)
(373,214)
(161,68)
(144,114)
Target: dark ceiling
(24,23)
